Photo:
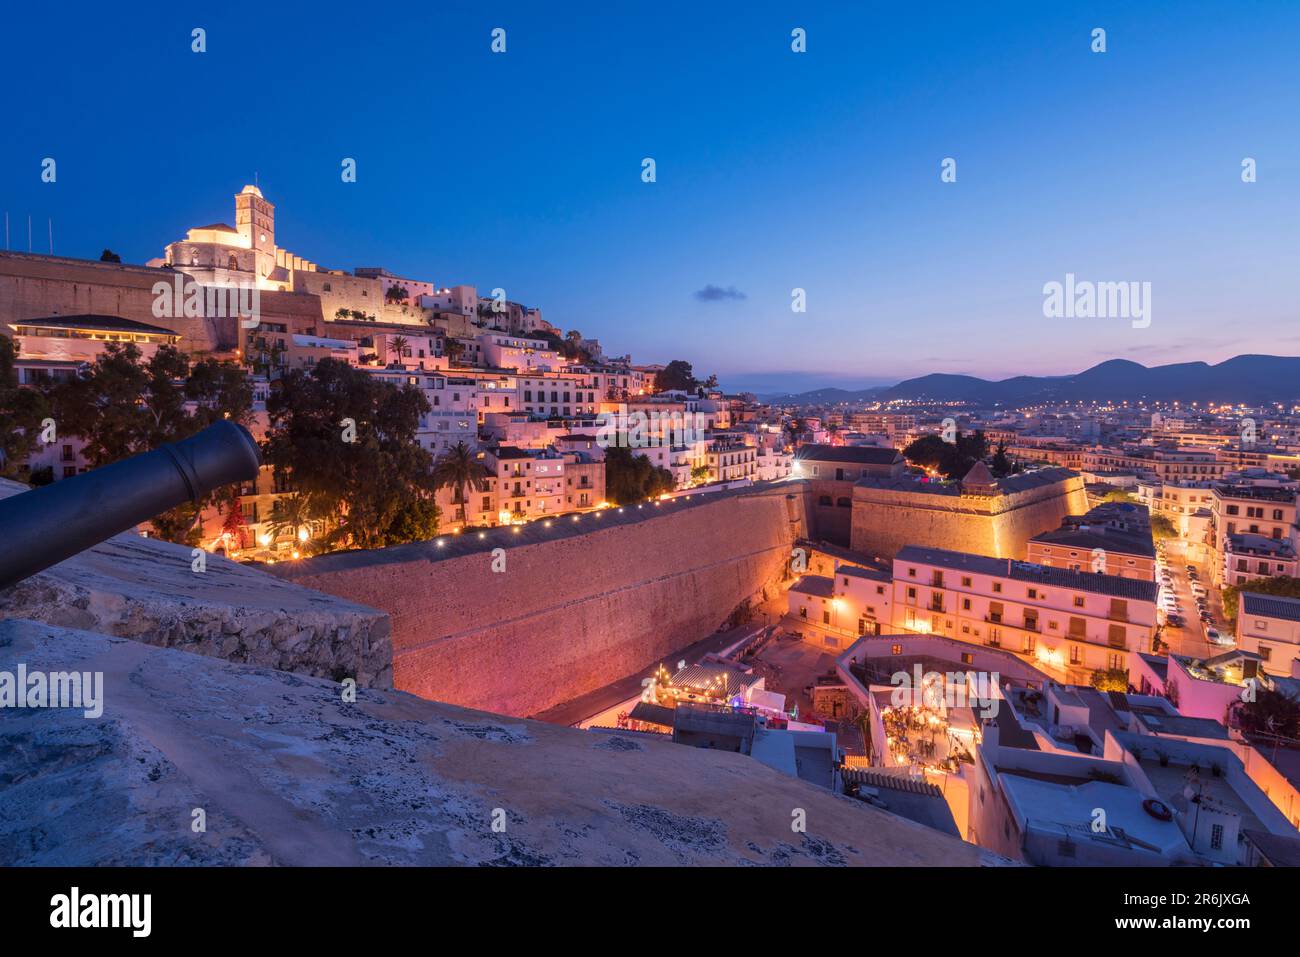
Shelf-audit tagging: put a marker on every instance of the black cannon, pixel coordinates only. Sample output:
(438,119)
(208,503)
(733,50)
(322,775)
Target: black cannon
(44,526)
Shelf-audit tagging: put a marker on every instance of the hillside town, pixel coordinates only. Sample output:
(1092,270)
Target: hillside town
(1068,634)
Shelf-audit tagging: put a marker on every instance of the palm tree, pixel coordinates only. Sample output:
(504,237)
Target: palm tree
(290,513)
(459,469)
(399,345)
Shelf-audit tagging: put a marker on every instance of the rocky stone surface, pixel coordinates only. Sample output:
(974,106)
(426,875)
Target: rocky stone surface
(148,590)
(286,771)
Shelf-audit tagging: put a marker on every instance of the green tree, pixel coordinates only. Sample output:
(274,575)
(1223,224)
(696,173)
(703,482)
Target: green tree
(1001,465)
(460,470)
(123,405)
(1109,679)
(21,412)
(951,459)
(1162,527)
(399,345)
(633,478)
(1282,585)
(1272,712)
(347,441)
(678,375)
(453,349)
(290,513)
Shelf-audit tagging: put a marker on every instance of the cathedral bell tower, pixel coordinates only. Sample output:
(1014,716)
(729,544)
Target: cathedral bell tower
(255,221)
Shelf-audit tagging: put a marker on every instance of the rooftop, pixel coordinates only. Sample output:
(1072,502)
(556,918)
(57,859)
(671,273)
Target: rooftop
(95,322)
(849,454)
(819,586)
(1271,606)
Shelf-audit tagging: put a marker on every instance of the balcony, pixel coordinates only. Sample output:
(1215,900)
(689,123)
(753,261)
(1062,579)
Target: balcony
(993,619)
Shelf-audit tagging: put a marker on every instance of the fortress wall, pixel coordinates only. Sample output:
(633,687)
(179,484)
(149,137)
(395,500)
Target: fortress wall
(830,523)
(1032,512)
(32,287)
(572,610)
(886,520)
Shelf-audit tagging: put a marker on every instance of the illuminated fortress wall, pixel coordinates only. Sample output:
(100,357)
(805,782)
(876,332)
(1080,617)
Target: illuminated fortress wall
(33,287)
(886,519)
(578,605)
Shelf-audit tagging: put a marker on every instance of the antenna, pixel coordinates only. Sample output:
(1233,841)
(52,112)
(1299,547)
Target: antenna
(51,224)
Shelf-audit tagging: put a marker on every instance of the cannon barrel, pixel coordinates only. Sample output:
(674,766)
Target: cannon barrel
(45,525)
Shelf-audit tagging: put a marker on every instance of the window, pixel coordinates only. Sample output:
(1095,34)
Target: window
(965,581)
(1078,601)
(1216,837)
(895,649)
(997,587)
(967,658)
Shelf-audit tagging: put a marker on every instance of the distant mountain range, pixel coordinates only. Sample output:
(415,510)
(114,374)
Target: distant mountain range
(1246,379)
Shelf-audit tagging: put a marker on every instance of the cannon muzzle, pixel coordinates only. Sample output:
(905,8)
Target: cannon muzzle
(42,527)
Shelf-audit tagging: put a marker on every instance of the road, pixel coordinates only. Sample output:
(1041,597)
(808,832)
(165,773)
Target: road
(1190,639)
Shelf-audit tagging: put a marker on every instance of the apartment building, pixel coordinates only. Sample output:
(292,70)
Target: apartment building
(558,394)
(1269,626)
(1114,538)
(1065,622)
(1249,509)
(729,460)
(842,607)
(516,352)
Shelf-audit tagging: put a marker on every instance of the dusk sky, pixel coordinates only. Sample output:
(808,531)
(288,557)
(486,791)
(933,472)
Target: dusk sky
(775,169)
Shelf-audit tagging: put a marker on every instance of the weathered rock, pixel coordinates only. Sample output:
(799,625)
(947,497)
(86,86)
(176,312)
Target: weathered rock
(287,772)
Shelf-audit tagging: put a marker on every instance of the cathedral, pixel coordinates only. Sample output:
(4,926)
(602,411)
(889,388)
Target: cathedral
(223,255)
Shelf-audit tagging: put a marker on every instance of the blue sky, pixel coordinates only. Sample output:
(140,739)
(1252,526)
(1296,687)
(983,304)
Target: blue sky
(775,170)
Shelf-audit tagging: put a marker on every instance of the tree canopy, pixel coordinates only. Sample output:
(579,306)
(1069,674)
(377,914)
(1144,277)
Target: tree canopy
(123,404)
(346,440)
(951,459)
(678,375)
(21,413)
(630,478)
(1282,585)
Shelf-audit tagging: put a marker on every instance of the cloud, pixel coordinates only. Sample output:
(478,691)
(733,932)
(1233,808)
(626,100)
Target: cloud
(712,293)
